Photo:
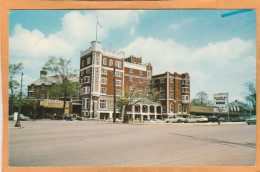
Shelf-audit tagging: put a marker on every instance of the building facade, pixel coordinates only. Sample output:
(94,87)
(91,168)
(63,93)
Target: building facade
(97,67)
(49,103)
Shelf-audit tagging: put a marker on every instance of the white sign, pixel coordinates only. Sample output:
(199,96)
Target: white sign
(221,102)
(15,116)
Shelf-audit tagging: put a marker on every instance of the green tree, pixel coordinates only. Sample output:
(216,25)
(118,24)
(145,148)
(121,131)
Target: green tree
(14,69)
(134,96)
(63,73)
(251,97)
(201,99)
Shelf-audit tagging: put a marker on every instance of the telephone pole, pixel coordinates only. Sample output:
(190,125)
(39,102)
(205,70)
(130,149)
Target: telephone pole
(114,114)
(18,117)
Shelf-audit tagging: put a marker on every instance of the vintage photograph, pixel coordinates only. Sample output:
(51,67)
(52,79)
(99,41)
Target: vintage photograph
(132,88)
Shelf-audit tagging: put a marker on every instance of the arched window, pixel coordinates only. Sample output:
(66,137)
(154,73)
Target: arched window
(172,108)
(179,108)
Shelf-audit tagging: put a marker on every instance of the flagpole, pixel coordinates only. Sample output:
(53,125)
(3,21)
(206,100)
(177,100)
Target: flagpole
(96,28)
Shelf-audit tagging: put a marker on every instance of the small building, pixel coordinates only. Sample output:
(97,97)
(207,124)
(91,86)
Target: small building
(49,102)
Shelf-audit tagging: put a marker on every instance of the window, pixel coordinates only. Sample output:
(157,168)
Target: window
(162,80)
(171,80)
(179,108)
(164,108)
(103,90)
(102,104)
(110,62)
(82,63)
(43,87)
(131,78)
(116,63)
(149,73)
(172,108)
(162,96)
(104,80)
(130,87)
(172,96)
(88,60)
(141,72)
(182,90)
(118,73)
(104,71)
(86,90)
(183,82)
(104,61)
(85,103)
(141,88)
(118,92)
(118,82)
(119,64)
(131,70)
(171,88)
(88,71)
(141,80)
(161,88)
(87,79)
(184,108)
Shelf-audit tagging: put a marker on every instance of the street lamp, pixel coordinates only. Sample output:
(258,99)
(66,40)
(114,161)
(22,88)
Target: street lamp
(18,117)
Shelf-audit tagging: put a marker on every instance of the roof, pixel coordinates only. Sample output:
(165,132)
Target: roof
(49,80)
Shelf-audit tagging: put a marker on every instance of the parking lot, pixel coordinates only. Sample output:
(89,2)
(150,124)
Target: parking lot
(89,143)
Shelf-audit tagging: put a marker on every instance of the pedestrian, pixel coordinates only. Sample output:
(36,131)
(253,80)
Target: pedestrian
(218,122)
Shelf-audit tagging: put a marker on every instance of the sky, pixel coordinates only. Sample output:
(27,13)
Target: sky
(219,53)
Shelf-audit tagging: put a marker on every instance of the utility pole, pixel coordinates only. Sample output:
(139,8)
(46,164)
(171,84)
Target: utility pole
(18,117)
(114,114)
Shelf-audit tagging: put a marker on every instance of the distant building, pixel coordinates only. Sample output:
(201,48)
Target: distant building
(50,103)
(239,107)
(97,90)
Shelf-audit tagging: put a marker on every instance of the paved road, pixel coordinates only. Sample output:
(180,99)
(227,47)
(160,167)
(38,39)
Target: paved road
(81,143)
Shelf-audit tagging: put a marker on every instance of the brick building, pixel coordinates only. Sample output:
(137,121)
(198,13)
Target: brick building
(49,103)
(97,90)
(174,93)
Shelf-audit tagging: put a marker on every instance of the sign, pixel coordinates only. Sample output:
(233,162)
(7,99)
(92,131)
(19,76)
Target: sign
(15,116)
(221,102)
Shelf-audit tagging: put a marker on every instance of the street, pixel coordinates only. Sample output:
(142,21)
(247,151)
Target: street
(45,143)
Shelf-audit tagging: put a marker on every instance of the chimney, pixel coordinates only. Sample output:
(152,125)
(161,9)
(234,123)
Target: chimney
(43,74)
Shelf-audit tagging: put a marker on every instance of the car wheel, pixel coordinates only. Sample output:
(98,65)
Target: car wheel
(248,123)
(167,121)
(179,121)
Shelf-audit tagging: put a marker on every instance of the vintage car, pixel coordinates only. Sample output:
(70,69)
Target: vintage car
(251,120)
(175,119)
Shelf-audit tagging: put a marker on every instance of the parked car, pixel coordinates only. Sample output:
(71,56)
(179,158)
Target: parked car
(251,120)
(213,119)
(222,119)
(237,119)
(70,117)
(11,117)
(117,120)
(202,118)
(175,119)
(196,119)
(22,117)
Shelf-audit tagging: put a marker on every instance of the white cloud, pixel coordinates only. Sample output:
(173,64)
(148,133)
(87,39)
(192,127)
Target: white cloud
(77,31)
(213,68)
(132,31)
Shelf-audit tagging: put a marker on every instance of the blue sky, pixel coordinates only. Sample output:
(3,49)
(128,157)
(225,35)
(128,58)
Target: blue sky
(218,53)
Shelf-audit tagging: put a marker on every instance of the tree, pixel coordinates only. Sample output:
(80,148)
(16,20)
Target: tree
(132,97)
(63,72)
(201,100)
(251,97)
(13,84)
